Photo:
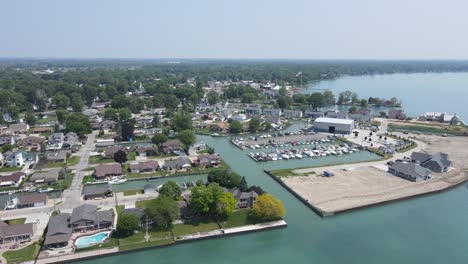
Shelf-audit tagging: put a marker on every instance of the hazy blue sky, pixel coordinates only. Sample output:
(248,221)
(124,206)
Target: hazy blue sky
(299,29)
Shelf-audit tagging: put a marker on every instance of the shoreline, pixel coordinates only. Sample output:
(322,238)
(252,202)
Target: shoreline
(323,213)
(113,251)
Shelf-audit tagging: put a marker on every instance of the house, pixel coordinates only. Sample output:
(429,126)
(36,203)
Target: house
(220,127)
(274,120)
(87,217)
(336,114)
(185,211)
(239,117)
(253,109)
(147,151)
(244,199)
(438,162)
(177,164)
(103,171)
(32,200)
(146,166)
(16,129)
(31,141)
(292,114)
(410,171)
(314,114)
(363,115)
(199,146)
(98,191)
(396,114)
(57,156)
(333,125)
(48,177)
(7,139)
(58,231)
(171,145)
(140,213)
(19,158)
(40,130)
(111,150)
(271,112)
(55,141)
(71,139)
(208,160)
(12,180)
(16,233)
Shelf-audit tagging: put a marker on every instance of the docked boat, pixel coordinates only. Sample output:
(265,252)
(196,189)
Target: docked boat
(117,180)
(215,135)
(11,204)
(45,190)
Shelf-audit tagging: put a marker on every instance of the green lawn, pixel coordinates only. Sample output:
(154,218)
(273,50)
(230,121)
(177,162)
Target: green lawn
(113,242)
(146,244)
(435,129)
(131,155)
(202,225)
(119,209)
(143,204)
(132,192)
(238,218)
(55,165)
(99,159)
(16,221)
(64,183)
(87,178)
(8,169)
(26,254)
(73,160)
(46,120)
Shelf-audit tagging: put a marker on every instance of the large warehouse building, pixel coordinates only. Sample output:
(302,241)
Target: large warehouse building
(334,125)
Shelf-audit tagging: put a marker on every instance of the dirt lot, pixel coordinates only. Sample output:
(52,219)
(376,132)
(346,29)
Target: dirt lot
(364,184)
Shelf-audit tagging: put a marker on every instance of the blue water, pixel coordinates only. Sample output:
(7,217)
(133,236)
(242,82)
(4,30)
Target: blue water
(87,241)
(419,93)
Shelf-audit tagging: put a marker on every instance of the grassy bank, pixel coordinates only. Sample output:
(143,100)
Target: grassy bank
(428,129)
(26,254)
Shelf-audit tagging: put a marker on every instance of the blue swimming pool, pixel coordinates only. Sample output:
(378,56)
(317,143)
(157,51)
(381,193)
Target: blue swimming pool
(87,241)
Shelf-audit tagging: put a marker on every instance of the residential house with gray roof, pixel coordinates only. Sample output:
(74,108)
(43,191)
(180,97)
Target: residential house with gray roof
(58,231)
(410,171)
(103,171)
(177,164)
(87,217)
(98,191)
(244,199)
(16,233)
(437,162)
(47,177)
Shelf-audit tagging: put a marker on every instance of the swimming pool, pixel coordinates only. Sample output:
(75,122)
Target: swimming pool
(87,241)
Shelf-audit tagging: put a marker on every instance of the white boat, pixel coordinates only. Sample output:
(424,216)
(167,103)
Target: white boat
(11,204)
(117,180)
(285,156)
(45,190)
(215,135)
(299,156)
(257,146)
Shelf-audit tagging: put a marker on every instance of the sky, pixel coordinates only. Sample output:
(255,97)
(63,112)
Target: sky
(237,29)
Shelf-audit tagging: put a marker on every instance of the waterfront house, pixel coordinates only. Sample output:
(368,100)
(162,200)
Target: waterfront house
(410,171)
(145,166)
(103,171)
(438,162)
(220,127)
(275,120)
(271,112)
(140,213)
(199,146)
(58,231)
(147,151)
(48,177)
(32,200)
(185,211)
(87,217)
(292,114)
(177,164)
(244,199)
(12,180)
(16,233)
(253,109)
(170,146)
(99,191)
(208,160)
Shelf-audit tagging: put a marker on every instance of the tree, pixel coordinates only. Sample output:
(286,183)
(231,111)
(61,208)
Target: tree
(120,156)
(364,103)
(212,97)
(284,102)
(248,97)
(299,98)
(76,102)
(78,123)
(316,100)
(171,189)
(156,122)
(7,147)
(127,224)
(187,137)
(267,208)
(224,178)
(352,110)
(383,114)
(111,114)
(61,115)
(127,129)
(267,126)
(226,204)
(171,102)
(210,200)
(14,111)
(30,119)
(159,139)
(243,186)
(282,91)
(181,121)
(235,127)
(163,211)
(61,100)
(254,124)
(328,97)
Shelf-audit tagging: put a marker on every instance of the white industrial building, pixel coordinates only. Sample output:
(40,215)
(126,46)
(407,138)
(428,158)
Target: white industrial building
(334,125)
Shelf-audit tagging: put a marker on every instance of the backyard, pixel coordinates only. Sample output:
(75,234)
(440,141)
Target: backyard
(26,254)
